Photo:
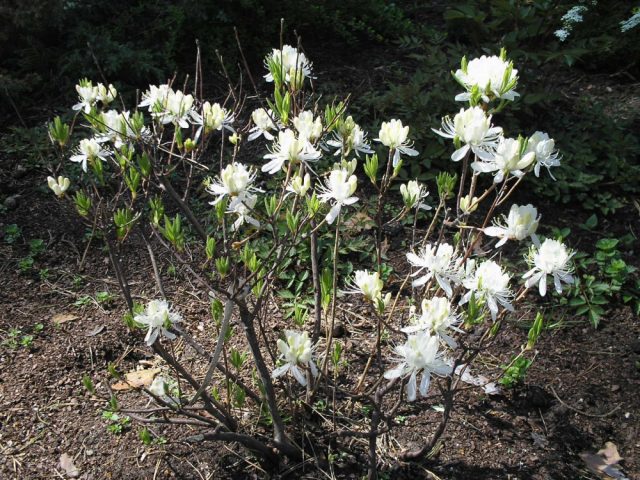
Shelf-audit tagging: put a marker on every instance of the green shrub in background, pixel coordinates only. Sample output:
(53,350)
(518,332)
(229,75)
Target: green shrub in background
(44,43)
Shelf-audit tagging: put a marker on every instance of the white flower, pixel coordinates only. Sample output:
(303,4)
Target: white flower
(493,76)
(89,95)
(551,258)
(105,95)
(348,138)
(419,354)
(309,129)
(234,180)
(369,284)
(509,158)
(58,186)
(242,205)
(89,149)
(178,109)
(489,283)
(290,63)
(339,187)
(440,263)
(394,136)
(436,317)
(264,122)
(214,117)
(156,98)
(412,194)
(116,127)
(158,317)
(522,222)
(473,128)
(299,186)
(169,106)
(289,148)
(296,351)
(546,154)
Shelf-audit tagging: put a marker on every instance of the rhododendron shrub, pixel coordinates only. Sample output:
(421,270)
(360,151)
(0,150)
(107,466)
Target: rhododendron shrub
(278,173)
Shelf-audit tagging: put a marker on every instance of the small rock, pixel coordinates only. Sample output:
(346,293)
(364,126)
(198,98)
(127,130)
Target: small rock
(20,171)
(11,202)
(339,331)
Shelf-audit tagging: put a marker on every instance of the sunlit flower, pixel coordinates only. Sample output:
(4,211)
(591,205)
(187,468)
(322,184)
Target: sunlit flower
(105,95)
(169,106)
(349,137)
(489,283)
(156,98)
(551,258)
(419,355)
(58,186)
(412,193)
(159,318)
(162,387)
(437,318)
(309,129)
(473,128)
(509,159)
(394,136)
(234,180)
(339,188)
(368,284)
(522,222)
(299,185)
(242,206)
(89,150)
(89,95)
(545,150)
(296,351)
(178,109)
(115,126)
(264,123)
(495,77)
(288,63)
(213,117)
(289,148)
(440,262)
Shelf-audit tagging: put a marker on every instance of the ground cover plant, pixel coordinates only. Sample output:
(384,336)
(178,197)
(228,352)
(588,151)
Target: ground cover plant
(136,174)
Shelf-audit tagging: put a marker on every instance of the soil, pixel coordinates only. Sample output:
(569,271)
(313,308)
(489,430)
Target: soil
(580,393)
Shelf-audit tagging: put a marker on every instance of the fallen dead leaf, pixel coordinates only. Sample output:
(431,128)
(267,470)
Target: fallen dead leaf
(358,222)
(66,463)
(605,461)
(60,318)
(95,331)
(610,453)
(136,379)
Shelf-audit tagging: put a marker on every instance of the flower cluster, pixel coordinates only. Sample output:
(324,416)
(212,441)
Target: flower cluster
(394,136)
(418,355)
(289,65)
(440,262)
(295,351)
(159,318)
(89,95)
(522,222)
(488,77)
(338,189)
(550,258)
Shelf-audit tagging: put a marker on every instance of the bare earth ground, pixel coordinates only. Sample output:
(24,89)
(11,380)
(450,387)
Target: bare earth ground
(581,391)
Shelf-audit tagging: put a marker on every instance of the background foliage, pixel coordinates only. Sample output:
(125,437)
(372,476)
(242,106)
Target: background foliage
(47,45)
